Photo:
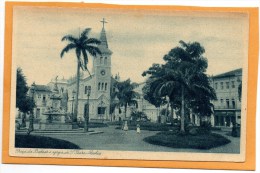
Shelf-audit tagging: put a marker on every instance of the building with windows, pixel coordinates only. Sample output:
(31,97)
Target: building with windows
(48,97)
(227,107)
(41,96)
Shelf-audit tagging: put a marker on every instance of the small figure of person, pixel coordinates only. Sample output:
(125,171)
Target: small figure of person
(138,130)
(125,126)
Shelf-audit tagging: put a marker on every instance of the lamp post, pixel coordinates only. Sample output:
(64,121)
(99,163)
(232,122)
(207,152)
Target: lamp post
(86,110)
(31,118)
(73,95)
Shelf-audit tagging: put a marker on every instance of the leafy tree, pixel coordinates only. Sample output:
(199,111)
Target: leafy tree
(24,103)
(21,88)
(82,46)
(126,94)
(139,115)
(183,80)
(148,92)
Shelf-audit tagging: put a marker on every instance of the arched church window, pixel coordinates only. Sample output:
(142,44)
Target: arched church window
(101,59)
(105,60)
(102,86)
(105,86)
(99,86)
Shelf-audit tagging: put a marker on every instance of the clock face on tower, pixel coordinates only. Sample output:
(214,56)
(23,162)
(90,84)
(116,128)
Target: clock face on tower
(103,72)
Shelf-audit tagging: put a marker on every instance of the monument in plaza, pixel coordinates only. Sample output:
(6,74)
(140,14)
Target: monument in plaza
(55,113)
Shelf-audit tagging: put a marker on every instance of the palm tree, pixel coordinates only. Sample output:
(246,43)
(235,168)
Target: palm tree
(83,45)
(126,94)
(182,79)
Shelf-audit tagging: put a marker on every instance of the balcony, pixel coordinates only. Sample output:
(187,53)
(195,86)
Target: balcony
(226,107)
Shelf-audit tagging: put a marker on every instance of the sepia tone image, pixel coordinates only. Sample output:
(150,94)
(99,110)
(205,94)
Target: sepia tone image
(128,84)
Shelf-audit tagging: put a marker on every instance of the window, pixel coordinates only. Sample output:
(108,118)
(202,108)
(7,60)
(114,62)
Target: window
(227,103)
(227,85)
(105,60)
(233,104)
(222,86)
(86,89)
(99,86)
(233,84)
(105,86)
(216,85)
(102,88)
(101,59)
(221,101)
(101,110)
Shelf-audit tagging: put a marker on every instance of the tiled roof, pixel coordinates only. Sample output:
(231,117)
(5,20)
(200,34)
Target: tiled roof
(237,72)
(42,88)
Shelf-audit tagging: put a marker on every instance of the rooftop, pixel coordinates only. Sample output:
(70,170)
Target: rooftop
(42,88)
(236,72)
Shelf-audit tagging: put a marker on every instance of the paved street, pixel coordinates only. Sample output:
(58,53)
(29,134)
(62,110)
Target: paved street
(113,139)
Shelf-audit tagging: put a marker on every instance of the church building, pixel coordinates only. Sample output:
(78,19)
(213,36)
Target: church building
(97,86)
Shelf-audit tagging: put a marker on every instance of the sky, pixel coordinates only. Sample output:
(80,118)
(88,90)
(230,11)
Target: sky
(137,39)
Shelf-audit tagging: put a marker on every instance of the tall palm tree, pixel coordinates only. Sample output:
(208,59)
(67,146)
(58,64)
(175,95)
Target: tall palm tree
(83,45)
(126,94)
(182,79)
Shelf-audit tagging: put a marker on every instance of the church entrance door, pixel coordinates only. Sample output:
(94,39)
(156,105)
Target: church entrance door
(101,112)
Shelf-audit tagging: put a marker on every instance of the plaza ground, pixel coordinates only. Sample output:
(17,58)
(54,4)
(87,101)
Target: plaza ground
(114,139)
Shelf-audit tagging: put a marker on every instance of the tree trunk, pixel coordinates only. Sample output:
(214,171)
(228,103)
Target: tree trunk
(125,109)
(167,109)
(159,115)
(171,116)
(23,120)
(77,94)
(182,110)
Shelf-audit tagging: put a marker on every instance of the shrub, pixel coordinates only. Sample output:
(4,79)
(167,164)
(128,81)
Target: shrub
(205,127)
(193,131)
(31,141)
(175,140)
(139,116)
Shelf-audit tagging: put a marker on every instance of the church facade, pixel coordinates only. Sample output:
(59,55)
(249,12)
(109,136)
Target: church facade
(99,85)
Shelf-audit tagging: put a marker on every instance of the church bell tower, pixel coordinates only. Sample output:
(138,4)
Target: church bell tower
(102,73)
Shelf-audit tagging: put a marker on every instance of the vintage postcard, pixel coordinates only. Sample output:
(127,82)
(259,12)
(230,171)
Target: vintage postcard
(164,84)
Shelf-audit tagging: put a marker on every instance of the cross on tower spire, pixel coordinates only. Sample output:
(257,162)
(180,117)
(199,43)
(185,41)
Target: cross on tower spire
(103,21)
